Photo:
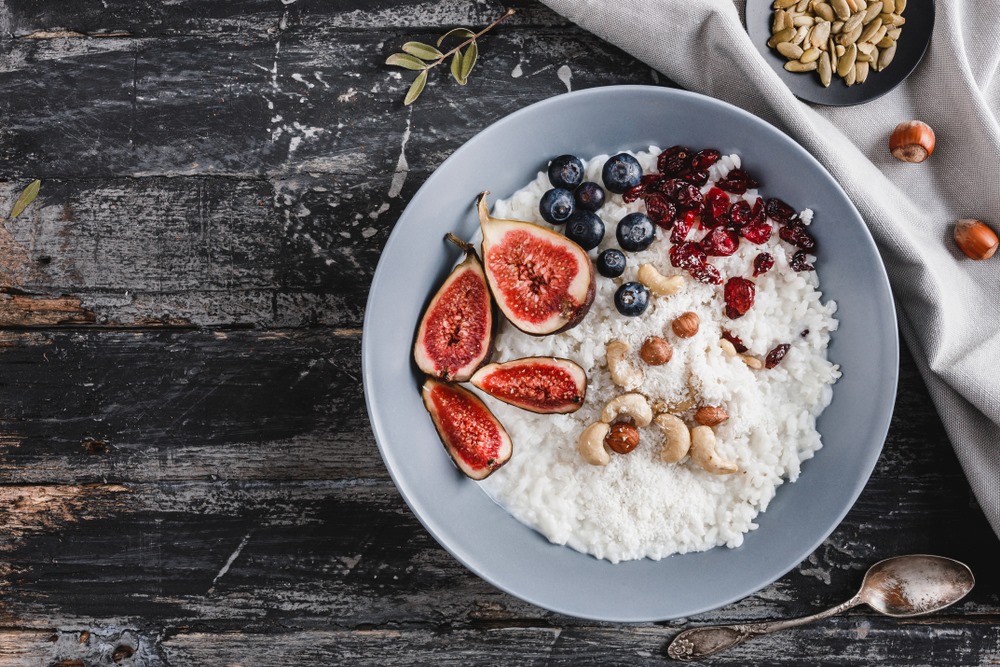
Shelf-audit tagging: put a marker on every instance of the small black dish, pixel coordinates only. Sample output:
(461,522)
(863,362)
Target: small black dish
(910,49)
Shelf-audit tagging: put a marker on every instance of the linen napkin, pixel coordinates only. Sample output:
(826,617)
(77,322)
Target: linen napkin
(948,306)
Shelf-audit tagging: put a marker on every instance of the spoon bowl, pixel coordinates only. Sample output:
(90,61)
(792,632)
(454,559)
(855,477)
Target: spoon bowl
(916,584)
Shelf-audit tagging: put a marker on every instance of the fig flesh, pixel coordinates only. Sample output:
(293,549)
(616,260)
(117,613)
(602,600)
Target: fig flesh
(545,385)
(542,281)
(474,438)
(456,333)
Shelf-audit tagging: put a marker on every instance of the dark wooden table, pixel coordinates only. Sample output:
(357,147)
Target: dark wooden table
(188,473)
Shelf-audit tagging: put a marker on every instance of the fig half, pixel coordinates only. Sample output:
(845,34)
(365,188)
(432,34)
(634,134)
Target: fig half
(456,333)
(547,385)
(475,439)
(542,282)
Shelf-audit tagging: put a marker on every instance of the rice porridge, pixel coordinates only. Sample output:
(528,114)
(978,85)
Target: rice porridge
(638,506)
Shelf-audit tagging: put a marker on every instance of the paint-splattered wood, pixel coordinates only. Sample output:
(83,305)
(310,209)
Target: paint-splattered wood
(188,476)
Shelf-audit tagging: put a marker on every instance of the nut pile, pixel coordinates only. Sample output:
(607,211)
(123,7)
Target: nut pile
(849,38)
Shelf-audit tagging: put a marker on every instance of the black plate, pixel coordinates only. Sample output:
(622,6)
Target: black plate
(910,49)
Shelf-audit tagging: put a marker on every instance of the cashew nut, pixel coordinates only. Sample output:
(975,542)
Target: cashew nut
(703,452)
(591,444)
(728,349)
(659,284)
(623,372)
(676,437)
(631,405)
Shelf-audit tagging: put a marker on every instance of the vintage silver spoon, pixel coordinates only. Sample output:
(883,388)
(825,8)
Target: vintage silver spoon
(899,587)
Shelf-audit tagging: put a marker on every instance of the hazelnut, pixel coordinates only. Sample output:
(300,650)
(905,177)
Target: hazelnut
(686,324)
(912,141)
(622,438)
(710,416)
(656,351)
(975,239)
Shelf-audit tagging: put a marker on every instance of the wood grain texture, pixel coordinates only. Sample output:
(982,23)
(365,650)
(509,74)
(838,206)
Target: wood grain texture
(188,473)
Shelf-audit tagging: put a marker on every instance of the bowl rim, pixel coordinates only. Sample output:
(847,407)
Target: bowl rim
(404,488)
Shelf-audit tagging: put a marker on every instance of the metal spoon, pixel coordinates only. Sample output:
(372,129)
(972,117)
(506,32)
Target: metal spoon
(899,587)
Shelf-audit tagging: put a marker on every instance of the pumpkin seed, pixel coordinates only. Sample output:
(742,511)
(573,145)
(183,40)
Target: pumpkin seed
(886,57)
(900,6)
(796,66)
(894,33)
(874,60)
(841,49)
(862,72)
(800,35)
(888,6)
(897,20)
(865,48)
(836,27)
(800,21)
(846,63)
(853,5)
(790,51)
(851,76)
(825,70)
(848,38)
(784,4)
(879,34)
(778,22)
(870,31)
(863,57)
(833,55)
(810,56)
(841,8)
(885,41)
(802,6)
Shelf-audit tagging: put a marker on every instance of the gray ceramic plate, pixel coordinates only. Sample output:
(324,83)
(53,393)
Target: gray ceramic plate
(483,536)
(912,45)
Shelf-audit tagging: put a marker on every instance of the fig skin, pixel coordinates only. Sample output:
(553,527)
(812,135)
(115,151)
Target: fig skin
(574,308)
(479,423)
(424,355)
(562,400)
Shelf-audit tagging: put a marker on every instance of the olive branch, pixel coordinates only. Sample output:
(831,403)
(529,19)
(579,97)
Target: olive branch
(424,57)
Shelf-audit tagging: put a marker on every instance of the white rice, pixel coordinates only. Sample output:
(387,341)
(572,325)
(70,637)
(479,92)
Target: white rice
(638,506)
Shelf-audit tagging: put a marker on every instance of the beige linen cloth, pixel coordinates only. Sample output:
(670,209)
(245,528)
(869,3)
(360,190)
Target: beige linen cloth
(948,306)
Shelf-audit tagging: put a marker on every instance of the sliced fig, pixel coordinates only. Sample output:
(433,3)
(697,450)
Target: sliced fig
(542,281)
(547,385)
(455,336)
(474,437)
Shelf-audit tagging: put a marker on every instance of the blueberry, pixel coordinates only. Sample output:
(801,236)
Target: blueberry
(631,299)
(589,196)
(611,263)
(621,172)
(556,206)
(635,232)
(586,229)
(566,171)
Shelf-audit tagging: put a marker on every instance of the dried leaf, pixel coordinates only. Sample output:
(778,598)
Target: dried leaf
(416,88)
(456,67)
(469,60)
(405,60)
(422,51)
(464,33)
(27,196)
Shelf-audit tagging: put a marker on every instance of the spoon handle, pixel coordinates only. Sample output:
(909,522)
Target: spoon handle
(702,642)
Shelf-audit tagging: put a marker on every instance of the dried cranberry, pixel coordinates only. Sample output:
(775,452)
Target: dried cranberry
(737,181)
(646,184)
(674,161)
(689,196)
(757,233)
(686,255)
(739,213)
(762,263)
(704,159)
(805,332)
(698,178)
(660,210)
(715,209)
(779,210)
(706,273)
(796,234)
(735,340)
(682,227)
(798,262)
(775,356)
(757,215)
(739,294)
(720,242)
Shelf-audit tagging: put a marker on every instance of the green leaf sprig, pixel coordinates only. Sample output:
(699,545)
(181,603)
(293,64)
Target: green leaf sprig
(424,57)
(28,195)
